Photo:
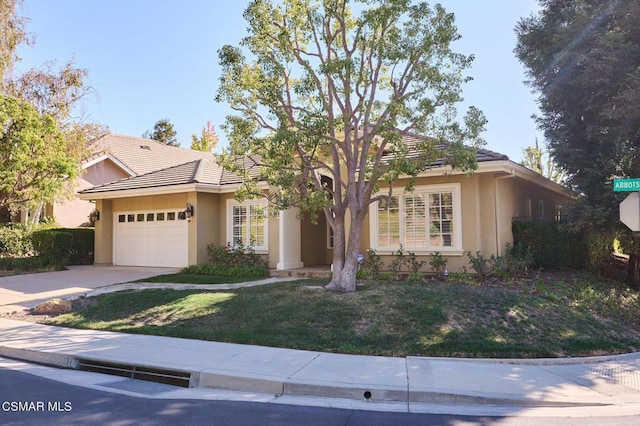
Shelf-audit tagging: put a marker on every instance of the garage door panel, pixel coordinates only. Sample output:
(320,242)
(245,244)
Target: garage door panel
(142,240)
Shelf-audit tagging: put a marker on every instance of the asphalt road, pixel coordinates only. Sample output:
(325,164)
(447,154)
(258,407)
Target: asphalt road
(26,399)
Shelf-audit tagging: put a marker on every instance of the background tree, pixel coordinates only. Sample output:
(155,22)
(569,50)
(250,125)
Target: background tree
(34,165)
(583,58)
(12,34)
(53,94)
(56,93)
(539,160)
(208,139)
(330,93)
(163,131)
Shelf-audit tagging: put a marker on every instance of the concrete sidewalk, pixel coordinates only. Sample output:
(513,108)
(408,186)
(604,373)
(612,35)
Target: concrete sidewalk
(602,386)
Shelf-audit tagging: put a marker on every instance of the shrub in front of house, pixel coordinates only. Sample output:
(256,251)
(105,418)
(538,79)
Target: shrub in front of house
(15,241)
(227,271)
(60,247)
(552,247)
(82,247)
(53,246)
(237,258)
(20,264)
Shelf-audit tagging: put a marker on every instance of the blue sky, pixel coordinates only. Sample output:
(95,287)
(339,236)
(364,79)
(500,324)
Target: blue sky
(150,59)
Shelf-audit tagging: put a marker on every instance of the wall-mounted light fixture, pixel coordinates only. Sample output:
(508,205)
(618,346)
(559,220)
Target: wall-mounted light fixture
(189,211)
(94,215)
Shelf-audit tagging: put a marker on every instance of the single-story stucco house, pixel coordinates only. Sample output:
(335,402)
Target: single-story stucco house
(168,217)
(115,157)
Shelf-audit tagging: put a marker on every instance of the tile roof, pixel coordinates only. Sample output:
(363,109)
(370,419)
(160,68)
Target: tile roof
(159,165)
(198,171)
(413,141)
(144,155)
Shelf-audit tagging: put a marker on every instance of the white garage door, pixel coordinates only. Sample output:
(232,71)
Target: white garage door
(151,238)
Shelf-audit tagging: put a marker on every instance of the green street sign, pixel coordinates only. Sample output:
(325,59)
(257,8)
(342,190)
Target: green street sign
(626,185)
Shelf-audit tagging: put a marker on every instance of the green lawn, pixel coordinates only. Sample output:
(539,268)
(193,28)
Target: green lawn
(195,279)
(554,315)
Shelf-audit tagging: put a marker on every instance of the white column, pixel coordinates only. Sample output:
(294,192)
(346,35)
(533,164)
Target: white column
(289,240)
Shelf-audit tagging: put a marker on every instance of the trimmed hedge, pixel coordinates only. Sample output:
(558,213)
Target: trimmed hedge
(15,241)
(64,246)
(227,271)
(27,264)
(82,249)
(550,246)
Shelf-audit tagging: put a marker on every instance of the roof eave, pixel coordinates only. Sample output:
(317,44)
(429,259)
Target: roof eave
(502,166)
(160,190)
(113,159)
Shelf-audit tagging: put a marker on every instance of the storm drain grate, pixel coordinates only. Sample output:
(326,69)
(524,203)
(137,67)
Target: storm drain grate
(149,374)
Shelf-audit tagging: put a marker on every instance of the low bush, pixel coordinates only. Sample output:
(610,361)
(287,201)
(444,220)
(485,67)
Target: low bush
(552,247)
(53,246)
(237,255)
(371,267)
(227,271)
(15,240)
(514,263)
(82,247)
(64,246)
(438,263)
(24,264)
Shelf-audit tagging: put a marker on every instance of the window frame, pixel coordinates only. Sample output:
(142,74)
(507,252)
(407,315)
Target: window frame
(541,209)
(426,190)
(528,208)
(263,249)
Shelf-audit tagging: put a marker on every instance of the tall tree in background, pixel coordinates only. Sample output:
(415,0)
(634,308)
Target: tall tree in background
(54,95)
(331,93)
(539,160)
(583,58)
(164,132)
(12,34)
(208,139)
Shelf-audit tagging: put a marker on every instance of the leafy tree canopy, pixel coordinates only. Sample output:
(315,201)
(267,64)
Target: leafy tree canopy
(539,160)
(34,163)
(329,88)
(12,34)
(208,139)
(164,132)
(54,95)
(583,58)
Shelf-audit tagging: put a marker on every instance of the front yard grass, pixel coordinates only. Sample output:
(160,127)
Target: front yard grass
(570,314)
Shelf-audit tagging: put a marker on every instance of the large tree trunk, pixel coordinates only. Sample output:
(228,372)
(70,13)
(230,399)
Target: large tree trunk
(345,256)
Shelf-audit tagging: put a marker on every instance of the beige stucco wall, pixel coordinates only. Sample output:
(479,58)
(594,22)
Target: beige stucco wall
(104,233)
(489,202)
(75,212)
(207,229)
(512,194)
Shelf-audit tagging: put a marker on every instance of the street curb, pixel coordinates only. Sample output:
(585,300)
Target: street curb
(536,361)
(217,379)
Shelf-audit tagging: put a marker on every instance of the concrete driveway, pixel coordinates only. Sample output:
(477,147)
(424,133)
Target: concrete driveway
(26,291)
